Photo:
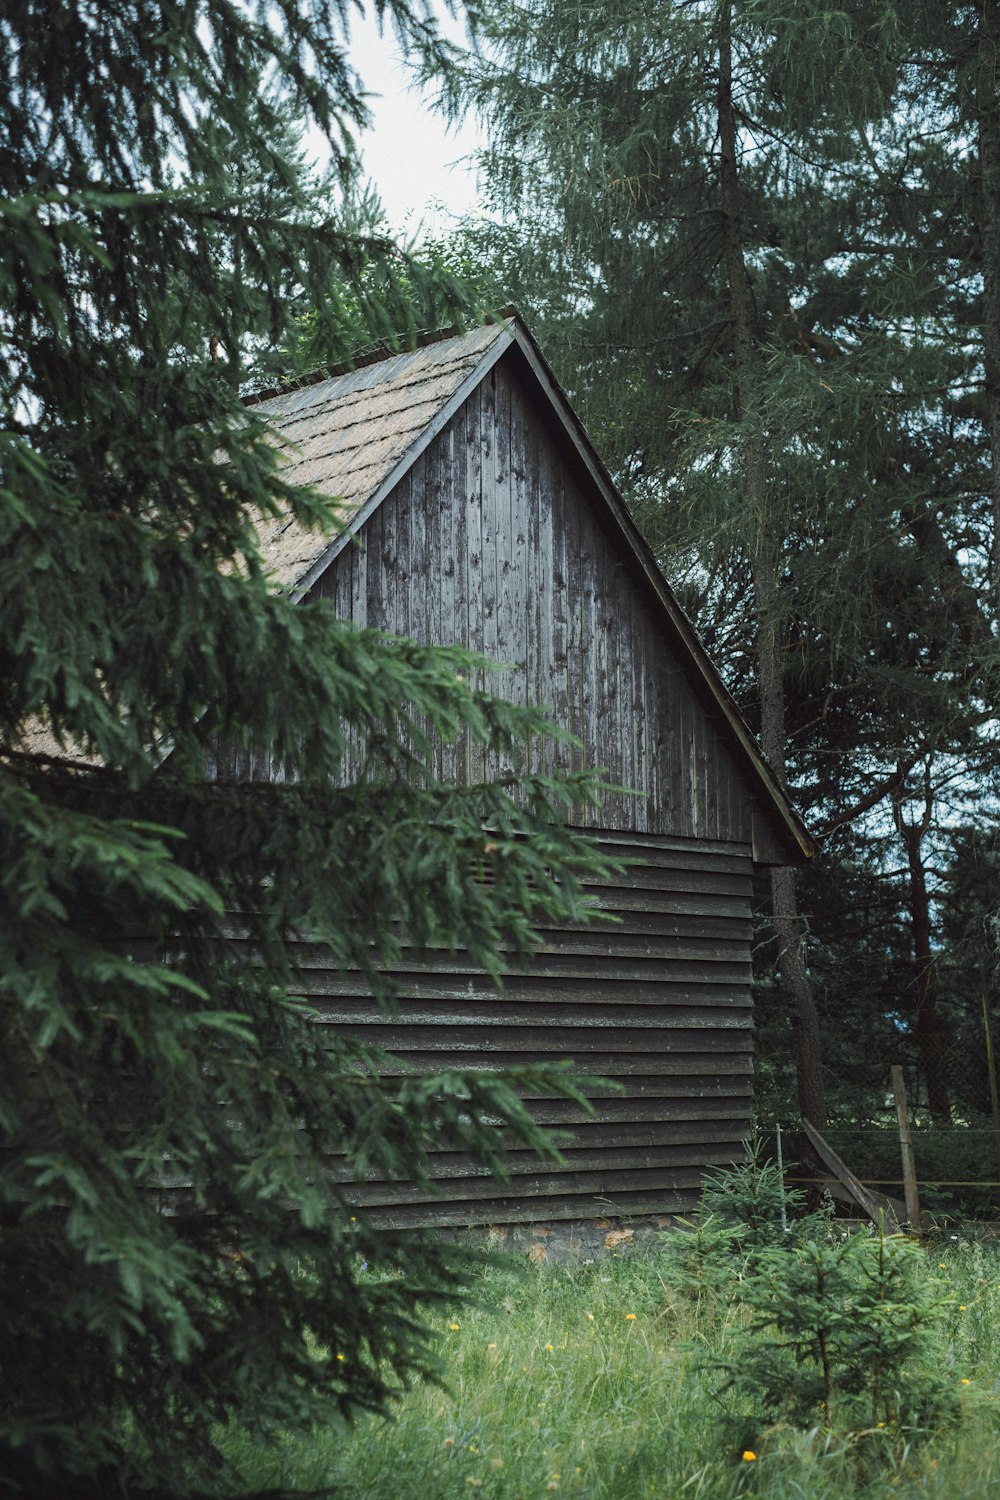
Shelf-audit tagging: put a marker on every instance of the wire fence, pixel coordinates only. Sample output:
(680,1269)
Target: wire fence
(957,1171)
(950,1074)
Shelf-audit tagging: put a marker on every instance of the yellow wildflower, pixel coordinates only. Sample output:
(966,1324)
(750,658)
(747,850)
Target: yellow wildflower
(966,1381)
(550,1348)
(454,1327)
(749,1456)
(630,1317)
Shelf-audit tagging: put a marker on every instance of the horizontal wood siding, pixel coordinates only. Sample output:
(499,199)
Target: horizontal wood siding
(490,542)
(658,1002)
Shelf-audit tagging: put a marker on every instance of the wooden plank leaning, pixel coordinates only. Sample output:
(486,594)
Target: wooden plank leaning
(882,1210)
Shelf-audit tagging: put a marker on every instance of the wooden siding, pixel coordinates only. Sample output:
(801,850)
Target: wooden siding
(488,541)
(659,1002)
(493,538)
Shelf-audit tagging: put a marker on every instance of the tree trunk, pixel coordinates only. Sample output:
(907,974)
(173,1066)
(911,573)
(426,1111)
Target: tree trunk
(988,130)
(930,1034)
(765,555)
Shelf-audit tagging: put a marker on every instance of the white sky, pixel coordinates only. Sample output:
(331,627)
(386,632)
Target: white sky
(414,161)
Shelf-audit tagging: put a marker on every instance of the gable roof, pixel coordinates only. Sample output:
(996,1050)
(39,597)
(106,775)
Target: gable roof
(354,436)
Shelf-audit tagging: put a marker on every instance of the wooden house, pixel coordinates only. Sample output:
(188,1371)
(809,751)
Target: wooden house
(478,513)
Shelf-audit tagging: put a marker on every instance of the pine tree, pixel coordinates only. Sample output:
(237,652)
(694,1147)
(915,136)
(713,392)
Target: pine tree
(711,211)
(176,1244)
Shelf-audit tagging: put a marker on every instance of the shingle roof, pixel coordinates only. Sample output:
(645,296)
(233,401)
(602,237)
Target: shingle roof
(350,436)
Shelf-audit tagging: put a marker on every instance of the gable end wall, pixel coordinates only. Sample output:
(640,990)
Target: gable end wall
(490,542)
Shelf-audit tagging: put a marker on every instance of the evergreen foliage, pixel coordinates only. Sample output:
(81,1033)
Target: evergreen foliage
(177,1247)
(759,242)
(847,1334)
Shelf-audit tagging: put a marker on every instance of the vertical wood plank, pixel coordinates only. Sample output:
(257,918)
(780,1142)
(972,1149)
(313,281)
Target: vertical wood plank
(697,758)
(457,481)
(544,588)
(681,750)
(519,520)
(626,687)
(601,630)
(558,638)
(381,561)
(501,533)
(617,810)
(445,605)
(418,600)
(640,641)
(488,503)
(574,526)
(654,738)
(714,774)
(438,584)
(536,580)
(474,550)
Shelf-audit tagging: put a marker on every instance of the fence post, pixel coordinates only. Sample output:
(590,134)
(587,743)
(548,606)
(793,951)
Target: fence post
(781,1182)
(991,1068)
(906,1147)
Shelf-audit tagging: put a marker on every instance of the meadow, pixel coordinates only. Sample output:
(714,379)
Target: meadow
(608,1381)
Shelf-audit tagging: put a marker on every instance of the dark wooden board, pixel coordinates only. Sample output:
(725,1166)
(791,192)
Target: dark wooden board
(516,1209)
(589,1043)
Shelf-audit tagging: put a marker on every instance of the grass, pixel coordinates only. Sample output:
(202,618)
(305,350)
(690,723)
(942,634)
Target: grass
(585,1381)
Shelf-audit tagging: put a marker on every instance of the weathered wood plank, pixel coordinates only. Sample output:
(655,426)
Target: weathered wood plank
(475,572)
(634,922)
(537,1186)
(574,533)
(536,571)
(659,878)
(449,1165)
(500,496)
(556,688)
(520,517)
(654,1071)
(502,1013)
(590,1043)
(721,1137)
(455,543)
(695,1107)
(618,809)
(620,972)
(334,1001)
(645,846)
(512,1210)
(664,947)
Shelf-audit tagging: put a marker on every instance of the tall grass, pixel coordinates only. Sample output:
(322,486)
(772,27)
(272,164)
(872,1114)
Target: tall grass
(592,1381)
